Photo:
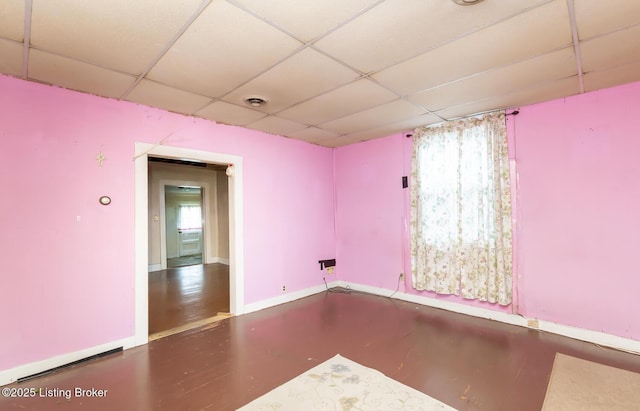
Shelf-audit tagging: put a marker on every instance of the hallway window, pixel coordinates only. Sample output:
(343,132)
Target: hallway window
(190,217)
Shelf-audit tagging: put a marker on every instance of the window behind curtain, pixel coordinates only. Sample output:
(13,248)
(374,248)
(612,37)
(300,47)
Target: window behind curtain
(461,209)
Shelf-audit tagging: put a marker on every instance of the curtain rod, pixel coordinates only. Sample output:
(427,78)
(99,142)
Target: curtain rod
(515,112)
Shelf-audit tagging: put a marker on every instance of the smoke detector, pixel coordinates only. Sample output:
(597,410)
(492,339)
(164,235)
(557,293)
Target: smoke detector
(255,101)
(466,2)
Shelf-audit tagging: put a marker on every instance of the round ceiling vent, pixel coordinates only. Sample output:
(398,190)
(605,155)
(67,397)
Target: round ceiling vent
(255,101)
(466,2)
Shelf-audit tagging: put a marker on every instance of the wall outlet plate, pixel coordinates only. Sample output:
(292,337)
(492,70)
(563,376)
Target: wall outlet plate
(533,323)
(330,270)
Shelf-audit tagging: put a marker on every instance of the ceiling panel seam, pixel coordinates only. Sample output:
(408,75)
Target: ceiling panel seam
(317,38)
(576,43)
(488,70)
(608,33)
(167,46)
(28,7)
(524,89)
(304,45)
(459,37)
(250,79)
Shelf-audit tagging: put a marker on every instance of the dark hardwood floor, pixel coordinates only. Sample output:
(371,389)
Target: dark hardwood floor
(182,295)
(466,362)
(184,261)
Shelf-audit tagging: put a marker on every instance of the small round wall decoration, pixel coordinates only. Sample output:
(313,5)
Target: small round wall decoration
(105,200)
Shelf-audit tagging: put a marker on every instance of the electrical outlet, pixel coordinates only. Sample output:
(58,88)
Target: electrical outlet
(533,323)
(330,270)
(284,288)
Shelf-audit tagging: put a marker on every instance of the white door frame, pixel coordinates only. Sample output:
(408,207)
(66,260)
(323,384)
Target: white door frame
(236,250)
(206,231)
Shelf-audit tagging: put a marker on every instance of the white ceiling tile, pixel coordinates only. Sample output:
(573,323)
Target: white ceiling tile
(10,57)
(400,29)
(543,92)
(502,44)
(12,19)
(596,80)
(122,35)
(505,80)
(342,141)
(539,93)
(370,134)
(275,125)
(154,94)
(224,48)
(394,128)
(597,17)
(306,20)
(302,76)
(384,114)
(226,113)
(351,98)
(417,121)
(75,75)
(619,48)
(313,135)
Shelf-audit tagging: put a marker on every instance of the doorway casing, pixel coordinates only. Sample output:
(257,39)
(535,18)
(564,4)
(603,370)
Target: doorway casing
(236,252)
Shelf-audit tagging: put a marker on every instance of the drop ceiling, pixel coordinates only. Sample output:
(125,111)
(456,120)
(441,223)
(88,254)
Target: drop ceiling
(333,72)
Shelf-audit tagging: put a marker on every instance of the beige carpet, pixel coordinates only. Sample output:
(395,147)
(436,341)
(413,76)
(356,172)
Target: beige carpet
(341,384)
(582,385)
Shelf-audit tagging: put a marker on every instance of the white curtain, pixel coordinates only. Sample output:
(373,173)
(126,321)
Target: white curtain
(461,209)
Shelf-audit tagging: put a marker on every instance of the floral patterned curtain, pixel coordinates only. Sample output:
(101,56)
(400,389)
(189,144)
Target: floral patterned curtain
(461,209)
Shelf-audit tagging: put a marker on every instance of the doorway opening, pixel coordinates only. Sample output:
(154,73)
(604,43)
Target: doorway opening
(183,225)
(147,220)
(189,271)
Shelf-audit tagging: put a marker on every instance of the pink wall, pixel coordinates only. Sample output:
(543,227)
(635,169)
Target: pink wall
(369,212)
(372,244)
(68,284)
(579,210)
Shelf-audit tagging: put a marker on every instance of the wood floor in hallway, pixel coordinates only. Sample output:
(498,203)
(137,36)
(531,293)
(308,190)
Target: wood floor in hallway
(466,362)
(183,295)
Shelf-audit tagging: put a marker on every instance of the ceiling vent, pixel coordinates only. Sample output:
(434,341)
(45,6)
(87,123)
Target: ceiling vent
(255,101)
(466,2)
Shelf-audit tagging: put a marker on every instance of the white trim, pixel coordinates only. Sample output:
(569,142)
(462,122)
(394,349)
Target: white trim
(285,298)
(596,337)
(21,371)
(219,260)
(236,249)
(141,252)
(155,267)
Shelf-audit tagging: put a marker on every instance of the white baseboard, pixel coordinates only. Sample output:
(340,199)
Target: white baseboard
(155,267)
(600,338)
(596,337)
(217,260)
(21,371)
(285,298)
